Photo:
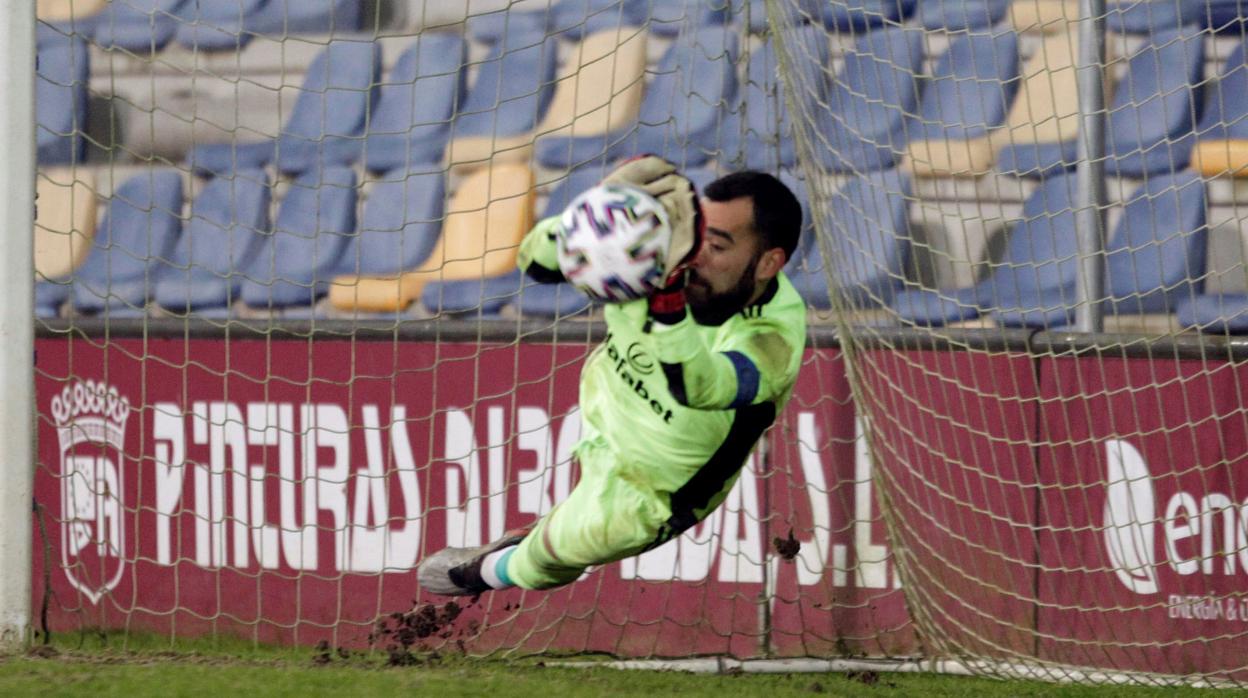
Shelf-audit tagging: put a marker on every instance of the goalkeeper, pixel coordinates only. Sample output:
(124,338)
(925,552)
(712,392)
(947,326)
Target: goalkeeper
(675,398)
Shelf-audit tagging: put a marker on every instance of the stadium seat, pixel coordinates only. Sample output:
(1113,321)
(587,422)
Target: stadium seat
(679,16)
(1156,255)
(61,99)
(516,17)
(228,226)
(864,125)
(1032,284)
(486,219)
(576,19)
(1044,15)
(1222,134)
(1150,16)
(560,300)
(138,233)
(513,88)
(416,104)
(969,94)
(401,222)
(1149,129)
(869,224)
(961,15)
(765,140)
(314,225)
(1045,110)
(860,15)
(598,94)
(325,125)
(683,103)
(139,26)
(218,26)
(64,228)
(290,17)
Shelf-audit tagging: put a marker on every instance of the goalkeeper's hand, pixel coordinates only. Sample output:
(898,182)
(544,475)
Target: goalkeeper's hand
(660,179)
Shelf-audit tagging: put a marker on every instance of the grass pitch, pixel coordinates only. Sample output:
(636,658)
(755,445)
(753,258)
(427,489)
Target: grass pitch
(111,665)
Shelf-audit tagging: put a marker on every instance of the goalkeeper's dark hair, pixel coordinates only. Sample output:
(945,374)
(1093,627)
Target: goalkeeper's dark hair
(777,213)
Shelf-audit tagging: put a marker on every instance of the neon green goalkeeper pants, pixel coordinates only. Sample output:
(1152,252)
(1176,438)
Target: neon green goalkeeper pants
(611,514)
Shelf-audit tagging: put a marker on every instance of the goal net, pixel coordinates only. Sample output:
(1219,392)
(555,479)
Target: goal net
(283,351)
(1059,488)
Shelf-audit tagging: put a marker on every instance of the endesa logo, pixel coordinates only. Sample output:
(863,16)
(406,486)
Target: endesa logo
(1191,532)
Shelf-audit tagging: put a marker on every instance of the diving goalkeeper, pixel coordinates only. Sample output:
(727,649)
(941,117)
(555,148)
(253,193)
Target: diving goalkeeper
(677,395)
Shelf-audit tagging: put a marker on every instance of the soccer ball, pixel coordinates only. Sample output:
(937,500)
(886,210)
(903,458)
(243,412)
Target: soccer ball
(613,241)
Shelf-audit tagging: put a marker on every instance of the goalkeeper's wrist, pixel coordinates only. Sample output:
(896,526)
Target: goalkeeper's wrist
(668,305)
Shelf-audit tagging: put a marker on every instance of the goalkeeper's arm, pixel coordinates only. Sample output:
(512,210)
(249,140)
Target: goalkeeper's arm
(755,366)
(538,256)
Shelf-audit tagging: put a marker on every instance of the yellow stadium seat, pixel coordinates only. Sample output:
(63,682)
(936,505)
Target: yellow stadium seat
(598,90)
(1221,158)
(1044,15)
(1045,110)
(65,10)
(486,219)
(64,221)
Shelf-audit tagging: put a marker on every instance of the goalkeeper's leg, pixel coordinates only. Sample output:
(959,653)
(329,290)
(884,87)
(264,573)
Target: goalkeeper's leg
(610,514)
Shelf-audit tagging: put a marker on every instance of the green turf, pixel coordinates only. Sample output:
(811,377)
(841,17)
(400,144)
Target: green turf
(91,665)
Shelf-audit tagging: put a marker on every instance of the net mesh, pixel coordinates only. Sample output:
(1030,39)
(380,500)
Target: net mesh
(284,352)
(1055,500)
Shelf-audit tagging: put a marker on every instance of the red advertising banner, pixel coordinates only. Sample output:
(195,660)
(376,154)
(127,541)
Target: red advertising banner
(285,489)
(1144,515)
(954,433)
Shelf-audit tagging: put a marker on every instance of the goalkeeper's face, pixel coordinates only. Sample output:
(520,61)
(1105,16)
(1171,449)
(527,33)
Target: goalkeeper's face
(732,269)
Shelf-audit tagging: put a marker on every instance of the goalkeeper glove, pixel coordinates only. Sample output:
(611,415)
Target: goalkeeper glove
(659,178)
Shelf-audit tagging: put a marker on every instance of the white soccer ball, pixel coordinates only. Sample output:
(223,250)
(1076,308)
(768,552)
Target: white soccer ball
(613,241)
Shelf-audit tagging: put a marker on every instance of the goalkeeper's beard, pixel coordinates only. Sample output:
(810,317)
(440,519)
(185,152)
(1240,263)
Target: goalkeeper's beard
(711,308)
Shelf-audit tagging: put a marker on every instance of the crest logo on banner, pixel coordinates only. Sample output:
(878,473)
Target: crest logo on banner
(90,419)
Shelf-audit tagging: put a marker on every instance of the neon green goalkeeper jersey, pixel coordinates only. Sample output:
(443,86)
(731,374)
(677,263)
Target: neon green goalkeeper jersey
(682,405)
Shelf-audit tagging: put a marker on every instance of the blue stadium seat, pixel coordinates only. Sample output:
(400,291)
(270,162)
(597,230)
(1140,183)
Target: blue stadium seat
(1220,313)
(1149,129)
(560,300)
(678,16)
(229,223)
(960,15)
(401,222)
(139,233)
(513,88)
(1150,16)
(971,89)
(314,226)
(289,17)
(765,140)
(1034,282)
(61,99)
(1156,256)
(490,27)
(860,15)
(579,18)
(682,106)
(869,223)
(1224,122)
(417,102)
(325,125)
(863,127)
(139,26)
(223,25)
(49,297)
